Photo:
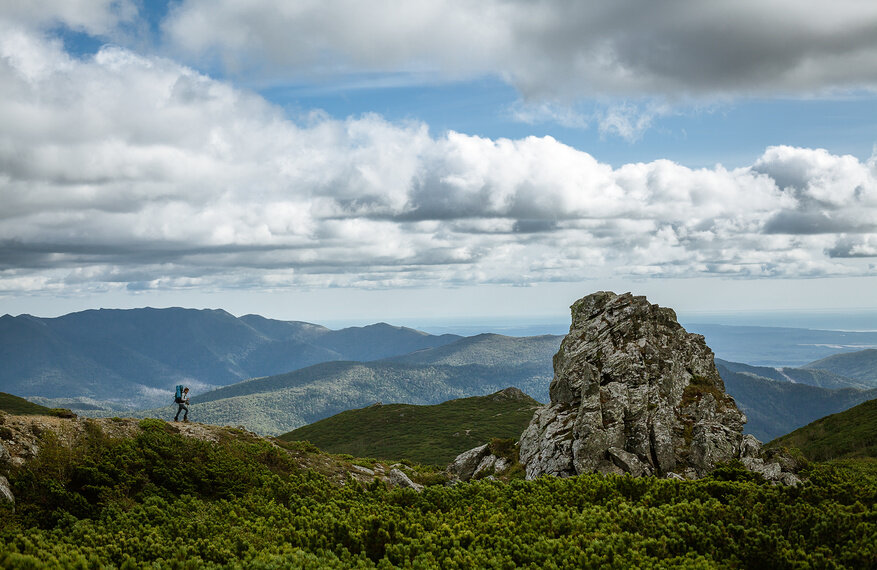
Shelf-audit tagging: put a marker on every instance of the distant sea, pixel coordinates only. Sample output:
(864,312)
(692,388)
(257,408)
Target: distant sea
(770,338)
(863,320)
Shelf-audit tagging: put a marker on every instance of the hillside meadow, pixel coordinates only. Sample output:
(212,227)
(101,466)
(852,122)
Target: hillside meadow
(161,500)
(424,434)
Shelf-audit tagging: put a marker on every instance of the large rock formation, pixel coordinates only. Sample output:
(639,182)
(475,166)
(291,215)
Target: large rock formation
(633,392)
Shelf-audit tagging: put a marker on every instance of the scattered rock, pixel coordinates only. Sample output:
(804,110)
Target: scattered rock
(502,465)
(363,470)
(487,466)
(781,456)
(465,465)
(628,462)
(750,446)
(399,479)
(6,495)
(5,456)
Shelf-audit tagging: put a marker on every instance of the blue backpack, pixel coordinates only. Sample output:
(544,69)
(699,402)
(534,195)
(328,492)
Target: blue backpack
(178,397)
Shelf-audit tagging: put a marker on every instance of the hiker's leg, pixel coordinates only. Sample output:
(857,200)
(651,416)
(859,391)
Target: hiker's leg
(186,413)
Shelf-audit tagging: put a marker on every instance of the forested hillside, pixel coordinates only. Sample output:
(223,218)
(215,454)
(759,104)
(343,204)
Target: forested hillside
(277,404)
(861,365)
(808,376)
(489,350)
(774,408)
(134,357)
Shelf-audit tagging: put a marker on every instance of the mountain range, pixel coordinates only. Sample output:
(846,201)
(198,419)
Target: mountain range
(273,376)
(276,404)
(775,404)
(134,357)
(775,401)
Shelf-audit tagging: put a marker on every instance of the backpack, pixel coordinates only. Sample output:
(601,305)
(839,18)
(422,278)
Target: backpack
(178,397)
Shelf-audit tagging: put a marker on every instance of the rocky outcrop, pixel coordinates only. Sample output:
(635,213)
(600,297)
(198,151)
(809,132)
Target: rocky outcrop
(633,392)
(465,465)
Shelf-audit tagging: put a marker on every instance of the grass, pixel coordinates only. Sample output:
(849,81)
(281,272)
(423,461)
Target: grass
(20,407)
(431,435)
(848,434)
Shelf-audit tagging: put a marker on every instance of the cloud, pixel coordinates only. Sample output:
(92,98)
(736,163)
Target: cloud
(553,50)
(125,171)
(98,18)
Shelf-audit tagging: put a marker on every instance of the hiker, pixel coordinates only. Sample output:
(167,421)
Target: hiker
(182,399)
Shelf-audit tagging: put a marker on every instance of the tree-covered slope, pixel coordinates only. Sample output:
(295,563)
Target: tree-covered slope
(775,408)
(861,365)
(134,357)
(423,434)
(851,433)
(277,404)
(156,498)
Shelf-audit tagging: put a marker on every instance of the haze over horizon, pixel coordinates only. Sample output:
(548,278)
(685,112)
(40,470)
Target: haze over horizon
(404,161)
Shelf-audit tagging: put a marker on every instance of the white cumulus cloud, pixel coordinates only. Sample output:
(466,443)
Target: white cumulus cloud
(123,170)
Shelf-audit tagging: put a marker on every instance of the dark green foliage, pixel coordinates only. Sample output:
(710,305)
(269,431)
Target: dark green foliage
(19,406)
(423,434)
(240,502)
(852,433)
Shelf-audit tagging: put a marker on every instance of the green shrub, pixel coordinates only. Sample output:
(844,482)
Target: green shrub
(244,503)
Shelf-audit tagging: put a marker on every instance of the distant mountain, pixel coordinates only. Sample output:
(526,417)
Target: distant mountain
(773,403)
(775,408)
(851,433)
(861,365)
(777,346)
(470,366)
(277,404)
(424,434)
(811,377)
(491,350)
(135,356)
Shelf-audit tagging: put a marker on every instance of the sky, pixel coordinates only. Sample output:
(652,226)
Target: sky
(350,162)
